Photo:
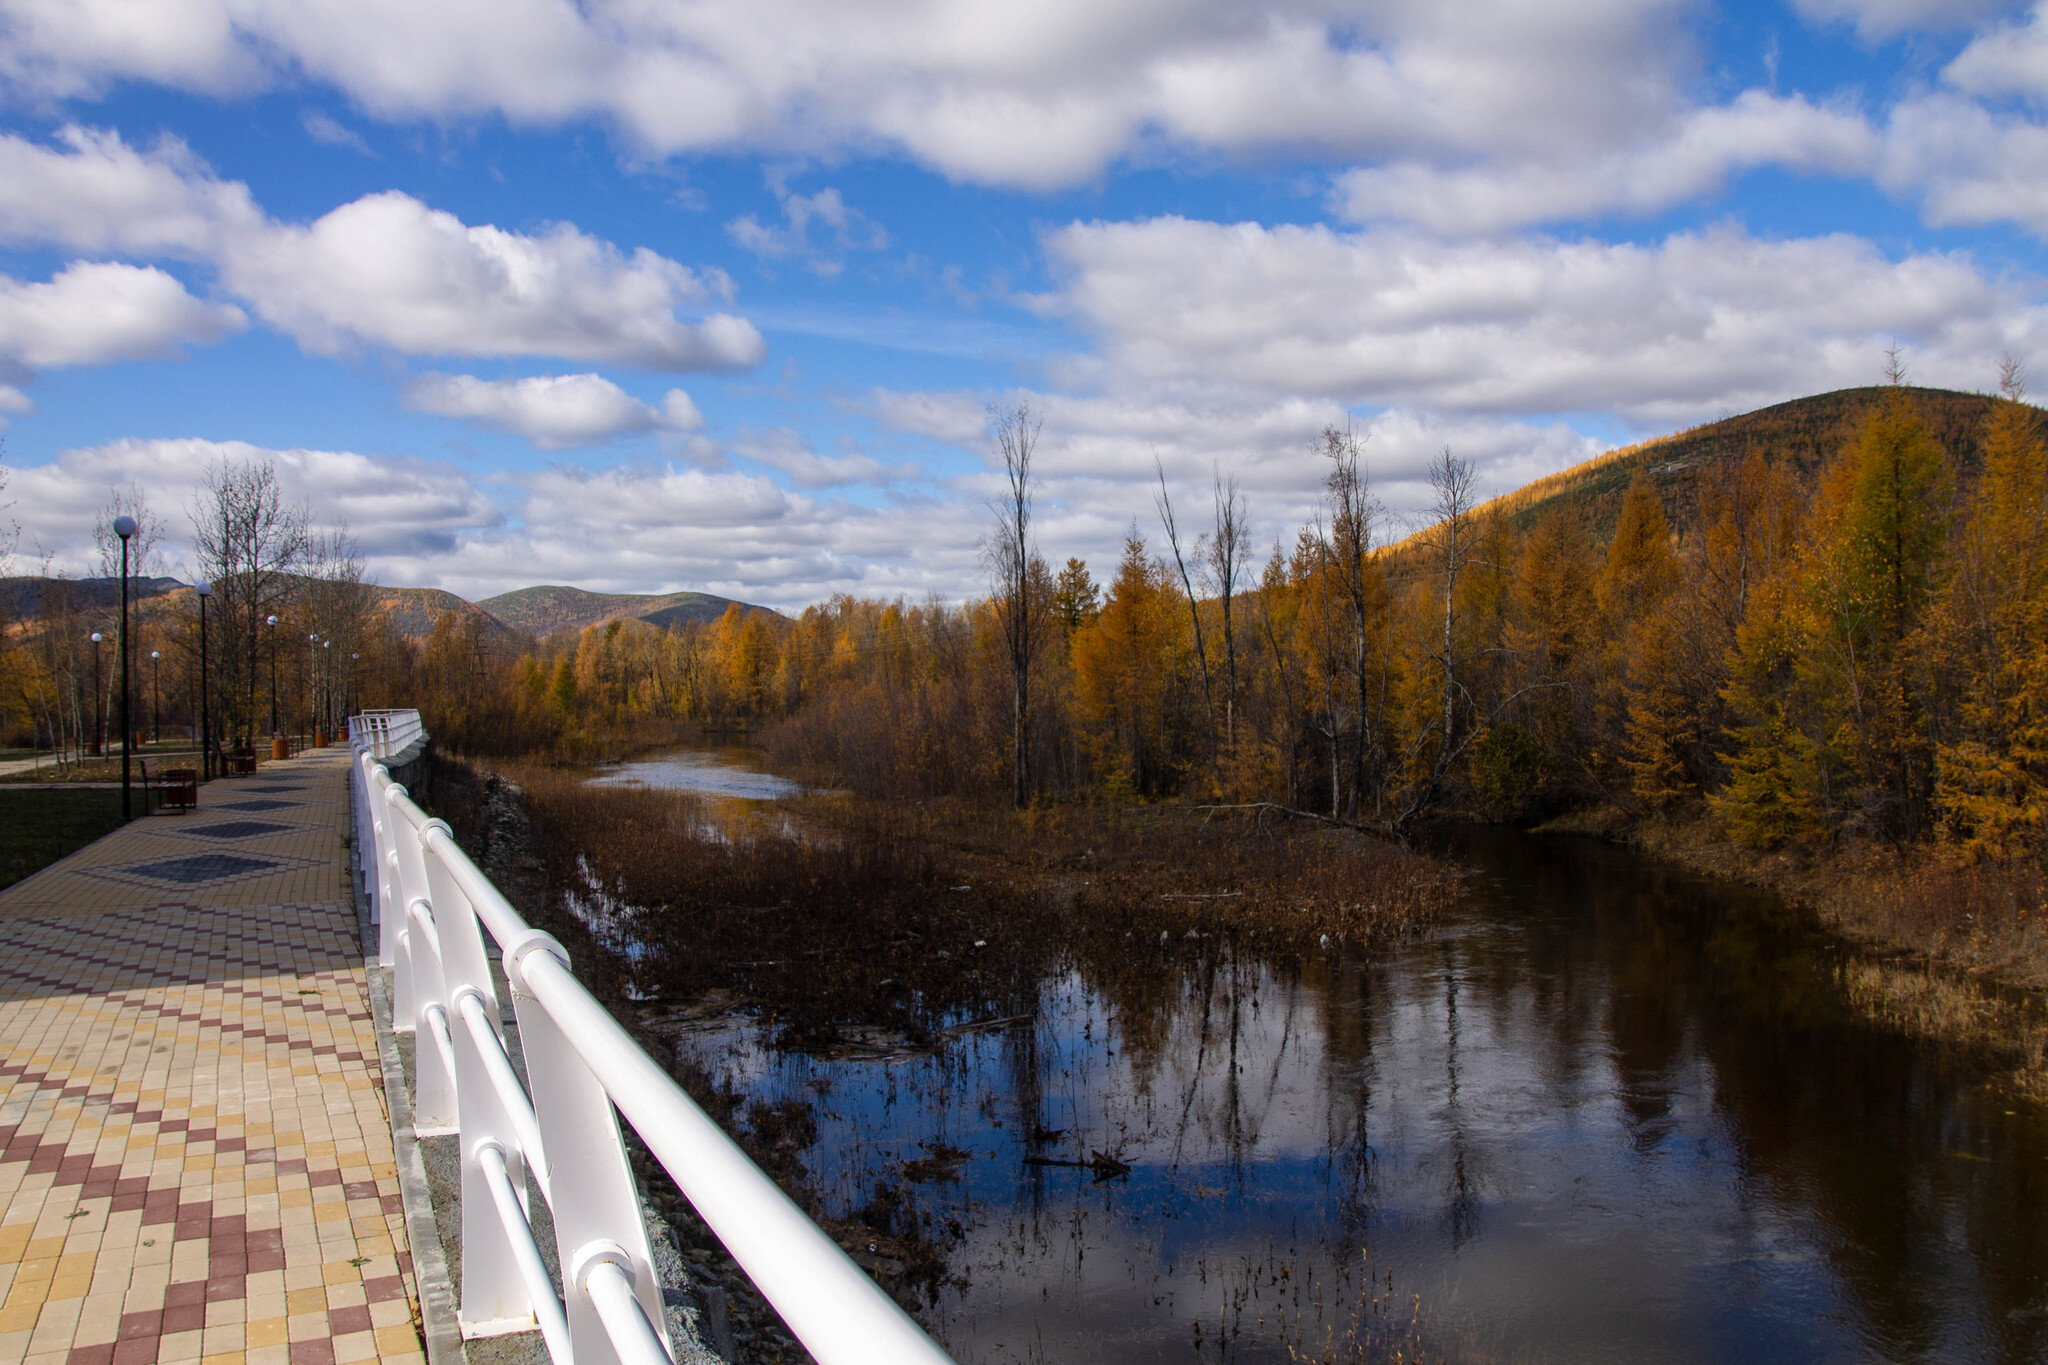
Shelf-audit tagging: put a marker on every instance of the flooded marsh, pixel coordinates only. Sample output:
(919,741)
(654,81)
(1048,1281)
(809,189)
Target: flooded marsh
(1572,1106)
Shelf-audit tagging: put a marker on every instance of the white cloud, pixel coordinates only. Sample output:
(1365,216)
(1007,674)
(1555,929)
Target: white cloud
(1967,165)
(846,230)
(93,192)
(94,313)
(2011,59)
(1879,19)
(1034,95)
(553,411)
(322,127)
(387,270)
(783,449)
(397,507)
(16,403)
(383,270)
(1695,326)
(1693,158)
(62,49)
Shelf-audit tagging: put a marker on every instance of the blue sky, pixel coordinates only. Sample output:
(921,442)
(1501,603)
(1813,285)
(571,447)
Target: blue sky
(648,294)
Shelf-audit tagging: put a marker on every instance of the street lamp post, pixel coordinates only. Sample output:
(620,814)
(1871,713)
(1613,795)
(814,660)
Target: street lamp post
(271,621)
(205,590)
(99,720)
(124,527)
(156,705)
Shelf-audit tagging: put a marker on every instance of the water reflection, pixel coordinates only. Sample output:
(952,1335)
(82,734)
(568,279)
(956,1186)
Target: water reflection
(1608,1113)
(712,772)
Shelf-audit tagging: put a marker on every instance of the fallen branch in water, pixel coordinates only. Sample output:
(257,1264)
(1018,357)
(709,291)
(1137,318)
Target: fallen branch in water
(1262,807)
(1102,1163)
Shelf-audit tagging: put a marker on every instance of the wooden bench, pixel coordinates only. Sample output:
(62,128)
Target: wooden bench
(178,787)
(237,762)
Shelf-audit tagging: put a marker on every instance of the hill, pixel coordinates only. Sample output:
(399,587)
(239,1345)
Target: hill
(22,596)
(1805,432)
(546,610)
(414,611)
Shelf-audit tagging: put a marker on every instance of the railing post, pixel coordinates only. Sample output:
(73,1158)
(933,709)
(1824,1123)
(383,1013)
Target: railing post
(434,1108)
(594,1199)
(494,1295)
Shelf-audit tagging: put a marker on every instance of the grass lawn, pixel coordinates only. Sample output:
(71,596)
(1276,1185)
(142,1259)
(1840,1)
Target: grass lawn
(39,827)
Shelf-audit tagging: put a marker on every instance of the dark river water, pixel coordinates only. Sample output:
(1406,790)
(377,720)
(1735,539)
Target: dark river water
(1607,1112)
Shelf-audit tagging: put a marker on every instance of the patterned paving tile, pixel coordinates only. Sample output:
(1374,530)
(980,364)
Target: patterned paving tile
(235,829)
(259,804)
(205,867)
(195,1160)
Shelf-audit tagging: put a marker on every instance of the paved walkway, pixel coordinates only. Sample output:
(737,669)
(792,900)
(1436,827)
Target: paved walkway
(195,1160)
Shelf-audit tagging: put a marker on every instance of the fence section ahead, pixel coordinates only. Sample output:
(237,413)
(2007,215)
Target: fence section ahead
(557,1135)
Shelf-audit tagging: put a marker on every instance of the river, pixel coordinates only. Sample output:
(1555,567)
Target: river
(1606,1112)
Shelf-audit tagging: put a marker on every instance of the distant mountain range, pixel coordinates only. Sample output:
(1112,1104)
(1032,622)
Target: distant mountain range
(526,613)
(546,610)
(22,596)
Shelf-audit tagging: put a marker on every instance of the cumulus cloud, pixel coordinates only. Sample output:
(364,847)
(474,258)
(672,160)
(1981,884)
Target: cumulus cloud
(1699,324)
(553,411)
(1878,19)
(93,313)
(1035,95)
(844,230)
(93,192)
(786,450)
(387,270)
(397,507)
(14,403)
(1968,166)
(383,270)
(1694,157)
(2011,59)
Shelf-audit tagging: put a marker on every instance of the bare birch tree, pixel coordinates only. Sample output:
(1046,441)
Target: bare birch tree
(249,540)
(1227,548)
(1008,553)
(1451,543)
(1187,583)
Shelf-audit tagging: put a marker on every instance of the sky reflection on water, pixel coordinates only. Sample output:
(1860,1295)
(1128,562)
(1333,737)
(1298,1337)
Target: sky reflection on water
(1609,1114)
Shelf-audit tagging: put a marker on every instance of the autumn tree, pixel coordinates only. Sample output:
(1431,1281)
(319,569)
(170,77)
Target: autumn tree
(1991,628)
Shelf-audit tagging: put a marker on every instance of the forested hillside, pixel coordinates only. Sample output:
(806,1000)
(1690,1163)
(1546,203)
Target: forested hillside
(1828,619)
(549,610)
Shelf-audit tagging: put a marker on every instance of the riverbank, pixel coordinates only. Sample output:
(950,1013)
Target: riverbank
(1954,953)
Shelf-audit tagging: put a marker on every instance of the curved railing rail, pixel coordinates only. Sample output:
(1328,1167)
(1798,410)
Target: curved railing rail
(558,1131)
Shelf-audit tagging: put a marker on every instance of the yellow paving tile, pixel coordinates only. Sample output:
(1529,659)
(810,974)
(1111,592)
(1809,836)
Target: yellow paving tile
(191,1108)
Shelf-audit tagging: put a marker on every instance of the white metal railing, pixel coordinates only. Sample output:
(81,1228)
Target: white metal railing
(384,733)
(433,907)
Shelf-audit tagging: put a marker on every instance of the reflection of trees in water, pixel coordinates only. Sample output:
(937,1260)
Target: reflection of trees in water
(1617,991)
(1462,1191)
(1925,1200)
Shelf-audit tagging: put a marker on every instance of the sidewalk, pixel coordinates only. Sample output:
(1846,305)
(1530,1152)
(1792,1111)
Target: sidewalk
(195,1160)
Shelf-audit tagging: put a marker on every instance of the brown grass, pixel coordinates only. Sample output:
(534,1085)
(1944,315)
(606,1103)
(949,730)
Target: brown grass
(892,924)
